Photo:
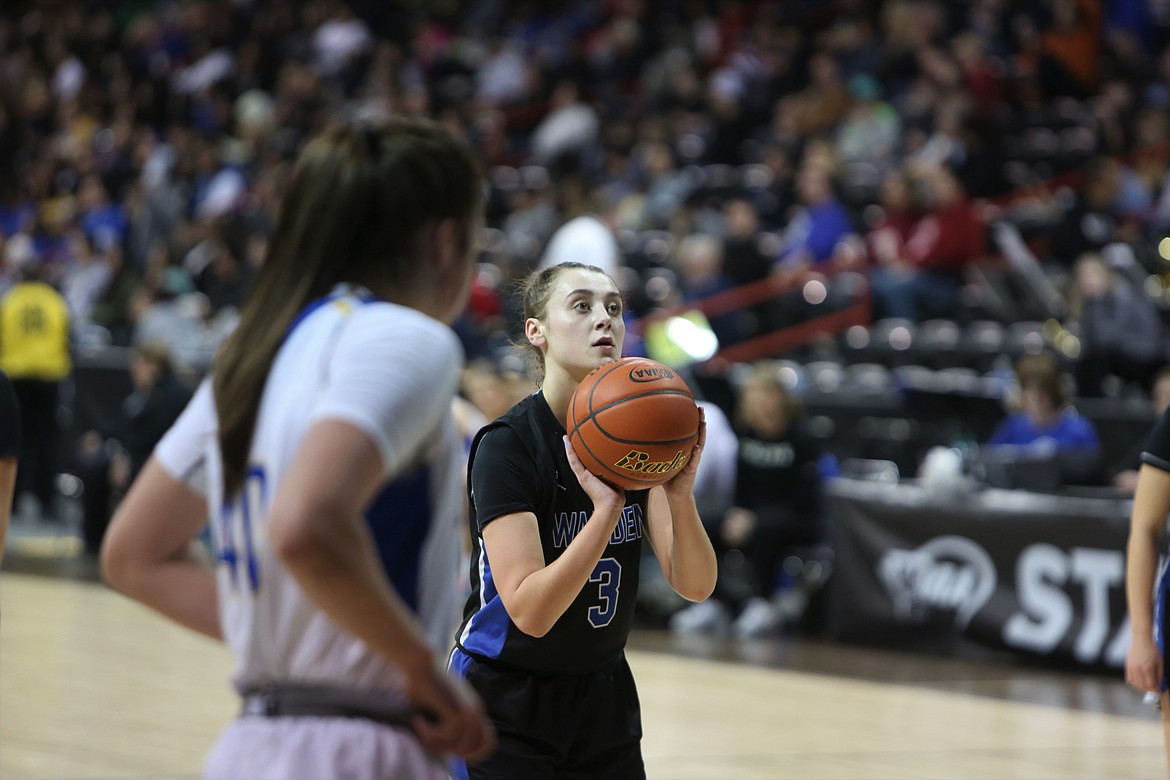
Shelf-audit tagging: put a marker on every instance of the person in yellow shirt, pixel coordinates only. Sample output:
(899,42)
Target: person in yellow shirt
(34,352)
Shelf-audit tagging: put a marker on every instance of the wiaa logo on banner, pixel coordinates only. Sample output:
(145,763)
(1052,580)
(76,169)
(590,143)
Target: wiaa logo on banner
(945,574)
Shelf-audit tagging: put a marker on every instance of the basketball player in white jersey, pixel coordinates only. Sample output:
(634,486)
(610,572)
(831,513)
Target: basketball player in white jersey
(323,455)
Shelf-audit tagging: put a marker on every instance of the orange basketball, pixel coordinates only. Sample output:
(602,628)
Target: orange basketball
(633,423)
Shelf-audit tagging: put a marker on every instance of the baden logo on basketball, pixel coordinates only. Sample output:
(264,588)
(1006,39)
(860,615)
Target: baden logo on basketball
(633,423)
(640,462)
(651,374)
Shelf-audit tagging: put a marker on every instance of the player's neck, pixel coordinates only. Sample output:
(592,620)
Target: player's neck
(557,389)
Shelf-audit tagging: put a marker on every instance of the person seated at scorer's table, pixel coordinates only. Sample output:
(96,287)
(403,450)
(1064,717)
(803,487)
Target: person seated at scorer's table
(776,507)
(1045,425)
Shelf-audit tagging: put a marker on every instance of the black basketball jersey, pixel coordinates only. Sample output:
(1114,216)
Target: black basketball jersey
(1157,451)
(518,464)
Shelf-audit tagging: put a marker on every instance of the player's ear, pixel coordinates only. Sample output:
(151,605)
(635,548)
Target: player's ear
(446,241)
(534,331)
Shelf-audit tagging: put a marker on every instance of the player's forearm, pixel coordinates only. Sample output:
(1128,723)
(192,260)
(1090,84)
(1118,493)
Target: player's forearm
(693,567)
(339,573)
(182,588)
(543,596)
(1151,503)
(1140,568)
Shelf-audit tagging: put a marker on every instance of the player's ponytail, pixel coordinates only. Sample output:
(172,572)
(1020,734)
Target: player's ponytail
(360,199)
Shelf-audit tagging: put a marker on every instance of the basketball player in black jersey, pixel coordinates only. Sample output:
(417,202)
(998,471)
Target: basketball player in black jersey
(1147,583)
(556,555)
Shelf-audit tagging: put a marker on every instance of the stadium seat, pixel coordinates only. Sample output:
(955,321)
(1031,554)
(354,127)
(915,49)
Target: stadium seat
(1025,338)
(894,341)
(868,378)
(825,376)
(938,341)
(982,343)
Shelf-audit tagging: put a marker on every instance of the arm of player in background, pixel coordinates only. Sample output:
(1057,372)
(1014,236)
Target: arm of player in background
(7,487)
(1151,504)
(149,552)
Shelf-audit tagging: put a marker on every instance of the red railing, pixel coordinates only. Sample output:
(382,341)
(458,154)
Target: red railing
(784,339)
(858,313)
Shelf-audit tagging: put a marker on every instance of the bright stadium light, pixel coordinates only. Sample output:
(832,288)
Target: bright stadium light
(698,342)
(815,292)
(681,340)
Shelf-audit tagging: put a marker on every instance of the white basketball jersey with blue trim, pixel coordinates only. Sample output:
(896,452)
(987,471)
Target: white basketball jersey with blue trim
(391,372)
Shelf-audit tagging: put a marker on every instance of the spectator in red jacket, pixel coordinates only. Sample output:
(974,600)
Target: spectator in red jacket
(885,243)
(926,279)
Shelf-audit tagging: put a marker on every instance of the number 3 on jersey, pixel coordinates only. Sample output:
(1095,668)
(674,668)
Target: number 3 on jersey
(608,576)
(237,546)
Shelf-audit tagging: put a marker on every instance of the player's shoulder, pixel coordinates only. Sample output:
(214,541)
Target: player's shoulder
(522,409)
(510,432)
(386,311)
(201,404)
(497,436)
(511,425)
(384,318)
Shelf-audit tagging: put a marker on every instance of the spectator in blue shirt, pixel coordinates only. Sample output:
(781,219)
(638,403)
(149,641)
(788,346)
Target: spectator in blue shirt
(104,222)
(816,230)
(16,216)
(1045,425)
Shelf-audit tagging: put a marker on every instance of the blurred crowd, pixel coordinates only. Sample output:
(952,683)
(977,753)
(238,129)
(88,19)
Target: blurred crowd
(688,147)
(142,144)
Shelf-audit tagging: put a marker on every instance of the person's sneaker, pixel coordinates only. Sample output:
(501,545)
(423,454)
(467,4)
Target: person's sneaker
(759,618)
(790,604)
(705,617)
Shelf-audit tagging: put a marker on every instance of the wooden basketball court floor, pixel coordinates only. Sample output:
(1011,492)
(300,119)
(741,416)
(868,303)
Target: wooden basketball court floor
(93,686)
